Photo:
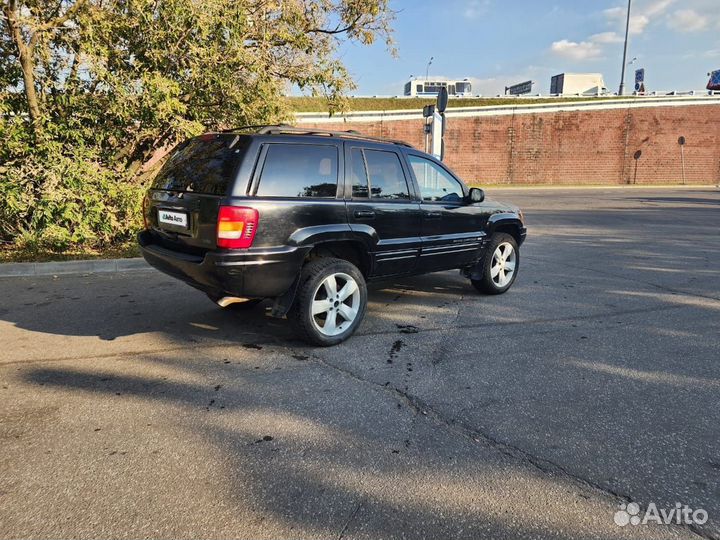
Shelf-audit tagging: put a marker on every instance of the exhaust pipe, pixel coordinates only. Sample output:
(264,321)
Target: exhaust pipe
(225,301)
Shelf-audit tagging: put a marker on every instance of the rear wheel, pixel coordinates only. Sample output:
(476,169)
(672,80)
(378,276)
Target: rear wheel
(500,266)
(330,302)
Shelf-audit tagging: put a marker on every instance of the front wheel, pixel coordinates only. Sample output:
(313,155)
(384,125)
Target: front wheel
(330,301)
(500,266)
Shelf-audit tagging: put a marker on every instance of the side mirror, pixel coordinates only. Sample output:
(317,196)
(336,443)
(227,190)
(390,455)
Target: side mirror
(476,195)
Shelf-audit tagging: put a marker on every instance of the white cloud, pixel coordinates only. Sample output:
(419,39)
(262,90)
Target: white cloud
(638,23)
(641,16)
(615,13)
(618,15)
(590,49)
(476,8)
(606,37)
(585,50)
(658,7)
(687,20)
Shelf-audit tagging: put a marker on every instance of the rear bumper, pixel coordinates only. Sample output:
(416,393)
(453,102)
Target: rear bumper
(250,273)
(523,235)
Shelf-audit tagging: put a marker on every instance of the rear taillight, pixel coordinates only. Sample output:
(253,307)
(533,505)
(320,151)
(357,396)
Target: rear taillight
(146,203)
(236,227)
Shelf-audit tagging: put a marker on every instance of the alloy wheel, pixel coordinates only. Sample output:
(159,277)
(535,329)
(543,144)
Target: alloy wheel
(503,264)
(335,304)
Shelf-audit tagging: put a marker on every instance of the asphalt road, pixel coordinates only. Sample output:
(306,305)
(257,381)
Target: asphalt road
(131,406)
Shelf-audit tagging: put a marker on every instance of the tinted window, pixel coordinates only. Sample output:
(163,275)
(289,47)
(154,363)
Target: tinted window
(358,174)
(204,164)
(299,170)
(434,181)
(387,180)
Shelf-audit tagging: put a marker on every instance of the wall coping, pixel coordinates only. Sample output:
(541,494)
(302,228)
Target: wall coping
(515,109)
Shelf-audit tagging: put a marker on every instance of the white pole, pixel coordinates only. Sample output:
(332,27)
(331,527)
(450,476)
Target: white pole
(682,158)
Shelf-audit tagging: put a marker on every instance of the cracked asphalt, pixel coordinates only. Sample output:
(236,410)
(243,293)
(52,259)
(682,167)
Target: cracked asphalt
(132,407)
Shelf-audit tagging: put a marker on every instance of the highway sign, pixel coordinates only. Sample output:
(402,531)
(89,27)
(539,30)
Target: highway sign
(519,89)
(640,80)
(714,83)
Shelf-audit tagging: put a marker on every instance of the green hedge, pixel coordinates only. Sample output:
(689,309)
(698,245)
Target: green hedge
(55,197)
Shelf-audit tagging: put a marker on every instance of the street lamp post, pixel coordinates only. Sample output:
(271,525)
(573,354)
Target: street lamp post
(624,60)
(427,69)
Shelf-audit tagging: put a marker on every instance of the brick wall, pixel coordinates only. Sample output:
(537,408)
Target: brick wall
(592,145)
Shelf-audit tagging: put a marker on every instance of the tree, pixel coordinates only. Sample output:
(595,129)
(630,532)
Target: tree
(104,88)
(26,31)
(159,69)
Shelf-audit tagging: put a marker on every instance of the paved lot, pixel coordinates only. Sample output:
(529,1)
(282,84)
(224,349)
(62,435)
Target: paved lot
(130,406)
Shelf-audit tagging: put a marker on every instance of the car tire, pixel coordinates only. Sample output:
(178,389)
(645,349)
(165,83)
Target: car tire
(325,312)
(237,306)
(499,267)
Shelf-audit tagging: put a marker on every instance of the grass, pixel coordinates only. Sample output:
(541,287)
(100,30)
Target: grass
(319,104)
(11,253)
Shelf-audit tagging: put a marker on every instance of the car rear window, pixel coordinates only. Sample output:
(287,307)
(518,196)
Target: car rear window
(299,170)
(205,164)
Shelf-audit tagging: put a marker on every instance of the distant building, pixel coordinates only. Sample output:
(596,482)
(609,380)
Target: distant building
(587,84)
(431,87)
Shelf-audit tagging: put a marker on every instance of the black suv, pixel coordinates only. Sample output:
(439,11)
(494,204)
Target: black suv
(307,217)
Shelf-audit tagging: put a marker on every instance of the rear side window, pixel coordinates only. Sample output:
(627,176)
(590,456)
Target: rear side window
(387,179)
(299,170)
(205,164)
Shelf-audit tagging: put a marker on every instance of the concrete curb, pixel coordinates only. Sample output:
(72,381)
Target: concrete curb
(99,266)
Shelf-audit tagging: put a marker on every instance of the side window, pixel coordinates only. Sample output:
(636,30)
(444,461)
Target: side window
(358,175)
(299,170)
(435,182)
(387,180)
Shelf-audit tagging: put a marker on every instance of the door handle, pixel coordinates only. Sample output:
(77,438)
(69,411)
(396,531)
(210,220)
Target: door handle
(433,215)
(366,214)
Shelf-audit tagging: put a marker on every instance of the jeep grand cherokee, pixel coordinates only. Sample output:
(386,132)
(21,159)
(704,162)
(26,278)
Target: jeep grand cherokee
(307,217)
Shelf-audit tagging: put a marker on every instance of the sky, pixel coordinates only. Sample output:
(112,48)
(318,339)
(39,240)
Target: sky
(496,43)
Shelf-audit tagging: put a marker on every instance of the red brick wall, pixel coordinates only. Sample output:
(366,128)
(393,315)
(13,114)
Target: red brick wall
(573,147)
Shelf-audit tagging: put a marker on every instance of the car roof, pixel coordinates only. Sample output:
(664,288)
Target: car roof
(287,130)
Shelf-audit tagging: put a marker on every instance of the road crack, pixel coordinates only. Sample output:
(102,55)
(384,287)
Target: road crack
(349,520)
(511,451)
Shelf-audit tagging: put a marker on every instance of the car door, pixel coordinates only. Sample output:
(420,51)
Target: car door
(381,202)
(452,229)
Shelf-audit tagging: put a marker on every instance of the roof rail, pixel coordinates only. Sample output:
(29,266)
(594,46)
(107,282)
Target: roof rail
(350,134)
(254,128)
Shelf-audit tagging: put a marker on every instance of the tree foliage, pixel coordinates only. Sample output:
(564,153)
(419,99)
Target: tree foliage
(94,92)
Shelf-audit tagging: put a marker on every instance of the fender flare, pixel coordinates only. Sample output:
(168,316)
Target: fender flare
(506,219)
(309,237)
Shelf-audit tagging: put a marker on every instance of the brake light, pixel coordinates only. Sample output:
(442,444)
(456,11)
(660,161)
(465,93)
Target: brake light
(236,227)
(146,203)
